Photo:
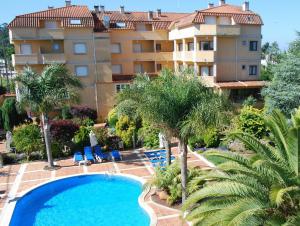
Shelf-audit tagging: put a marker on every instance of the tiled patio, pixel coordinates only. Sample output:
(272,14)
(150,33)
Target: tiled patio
(15,179)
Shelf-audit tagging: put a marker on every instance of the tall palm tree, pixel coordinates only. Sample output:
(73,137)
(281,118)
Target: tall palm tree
(169,102)
(259,190)
(41,94)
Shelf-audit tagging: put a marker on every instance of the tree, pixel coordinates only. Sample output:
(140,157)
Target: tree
(6,50)
(284,91)
(178,105)
(41,94)
(262,189)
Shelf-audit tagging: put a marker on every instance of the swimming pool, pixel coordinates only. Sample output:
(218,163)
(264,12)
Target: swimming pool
(101,200)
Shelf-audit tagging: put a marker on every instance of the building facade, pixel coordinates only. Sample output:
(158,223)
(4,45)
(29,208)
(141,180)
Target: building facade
(106,49)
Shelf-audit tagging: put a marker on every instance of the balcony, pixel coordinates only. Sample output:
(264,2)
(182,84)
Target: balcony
(146,35)
(20,59)
(50,58)
(51,34)
(153,56)
(36,34)
(220,30)
(199,56)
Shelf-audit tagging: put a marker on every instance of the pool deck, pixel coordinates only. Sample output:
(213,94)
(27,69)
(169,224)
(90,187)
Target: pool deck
(16,179)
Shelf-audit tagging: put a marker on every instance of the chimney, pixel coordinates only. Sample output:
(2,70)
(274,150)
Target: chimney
(96,7)
(50,7)
(150,15)
(222,2)
(210,5)
(68,2)
(102,8)
(158,12)
(122,9)
(246,6)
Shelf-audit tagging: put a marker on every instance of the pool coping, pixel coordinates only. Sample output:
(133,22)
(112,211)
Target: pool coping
(10,205)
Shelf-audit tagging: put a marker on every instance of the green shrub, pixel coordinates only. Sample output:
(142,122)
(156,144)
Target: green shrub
(149,136)
(251,121)
(102,136)
(81,138)
(9,158)
(66,112)
(211,138)
(196,142)
(250,101)
(10,115)
(169,180)
(112,118)
(27,139)
(125,129)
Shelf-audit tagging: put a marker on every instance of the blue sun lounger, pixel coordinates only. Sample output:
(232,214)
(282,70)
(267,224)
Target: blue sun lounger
(88,155)
(77,157)
(115,155)
(100,156)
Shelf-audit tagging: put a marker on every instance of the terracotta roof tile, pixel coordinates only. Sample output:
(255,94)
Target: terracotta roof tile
(132,18)
(64,14)
(236,12)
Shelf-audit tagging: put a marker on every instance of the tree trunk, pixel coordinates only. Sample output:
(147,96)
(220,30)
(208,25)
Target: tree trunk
(47,140)
(183,159)
(169,152)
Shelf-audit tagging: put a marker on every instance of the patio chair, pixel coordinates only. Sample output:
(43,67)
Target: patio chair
(88,154)
(77,157)
(100,156)
(115,155)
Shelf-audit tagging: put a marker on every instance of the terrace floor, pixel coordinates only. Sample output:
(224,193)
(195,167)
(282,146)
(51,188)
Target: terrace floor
(15,179)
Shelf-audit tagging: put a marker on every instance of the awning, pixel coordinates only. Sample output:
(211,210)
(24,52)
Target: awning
(240,85)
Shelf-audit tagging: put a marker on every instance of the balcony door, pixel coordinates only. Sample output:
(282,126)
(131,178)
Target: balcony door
(137,48)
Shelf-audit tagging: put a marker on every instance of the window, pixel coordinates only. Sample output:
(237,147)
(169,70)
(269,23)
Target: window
(141,27)
(223,20)
(25,49)
(55,47)
(204,71)
(75,21)
(116,48)
(180,46)
(244,43)
(159,67)
(207,45)
(50,24)
(210,20)
(243,67)
(80,48)
(158,47)
(190,46)
(138,68)
(116,69)
(120,25)
(252,70)
(211,71)
(137,48)
(253,45)
(120,87)
(81,70)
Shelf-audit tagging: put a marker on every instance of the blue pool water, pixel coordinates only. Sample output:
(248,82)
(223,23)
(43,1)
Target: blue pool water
(99,200)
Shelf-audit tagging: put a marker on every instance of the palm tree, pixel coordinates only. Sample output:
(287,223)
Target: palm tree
(259,190)
(41,94)
(169,102)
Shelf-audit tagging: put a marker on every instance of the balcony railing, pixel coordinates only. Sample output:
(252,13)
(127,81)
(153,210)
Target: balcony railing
(36,34)
(221,30)
(50,58)
(199,56)
(20,59)
(153,56)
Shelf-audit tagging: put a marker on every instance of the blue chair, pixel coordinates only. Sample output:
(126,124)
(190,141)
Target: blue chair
(77,157)
(115,155)
(100,156)
(88,154)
